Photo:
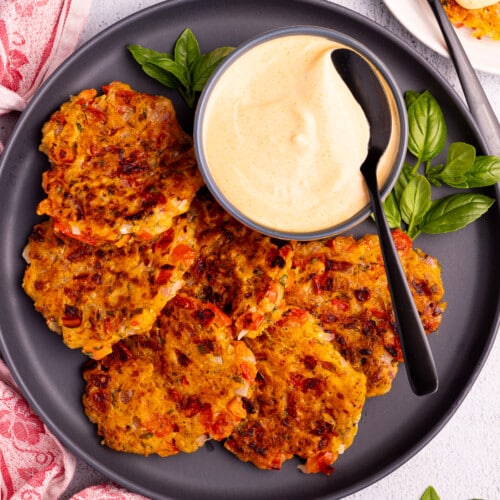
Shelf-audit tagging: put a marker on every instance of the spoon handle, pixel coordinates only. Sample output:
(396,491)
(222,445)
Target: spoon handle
(477,100)
(419,362)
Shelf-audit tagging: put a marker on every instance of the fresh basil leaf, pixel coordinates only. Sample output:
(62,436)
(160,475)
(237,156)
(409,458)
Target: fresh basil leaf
(392,212)
(186,51)
(411,96)
(174,68)
(430,494)
(144,55)
(426,127)
(461,157)
(432,173)
(415,201)
(205,65)
(159,65)
(163,76)
(454,212)
(485,171)
(462,169)
(404,178)
(187,70)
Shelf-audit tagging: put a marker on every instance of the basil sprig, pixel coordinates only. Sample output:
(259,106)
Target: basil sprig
(410,206)
(186,69)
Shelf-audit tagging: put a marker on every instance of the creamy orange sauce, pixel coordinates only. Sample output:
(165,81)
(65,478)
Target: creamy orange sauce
(284,138)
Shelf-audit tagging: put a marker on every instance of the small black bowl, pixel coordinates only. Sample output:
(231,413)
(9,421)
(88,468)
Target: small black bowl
(399,138)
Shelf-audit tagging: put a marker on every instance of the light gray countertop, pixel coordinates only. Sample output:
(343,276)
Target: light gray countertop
(462,462)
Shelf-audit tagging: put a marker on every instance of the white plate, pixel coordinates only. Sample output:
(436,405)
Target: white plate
(417,17)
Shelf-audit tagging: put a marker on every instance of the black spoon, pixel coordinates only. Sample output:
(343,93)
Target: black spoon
(368,91)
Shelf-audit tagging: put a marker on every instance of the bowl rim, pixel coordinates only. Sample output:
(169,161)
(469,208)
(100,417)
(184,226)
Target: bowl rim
(336,36)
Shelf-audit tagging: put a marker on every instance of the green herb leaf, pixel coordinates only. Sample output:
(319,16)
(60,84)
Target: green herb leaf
(430,494)
(454,212)
(157,65)
(415,202)
(426,127)
(392,212)
(166,76)
(409,204)
(432,174)
(404,178)
(186,70)
(410,97)
(461,157)
(186,51)
(143,55)
(205,65)
(485,171)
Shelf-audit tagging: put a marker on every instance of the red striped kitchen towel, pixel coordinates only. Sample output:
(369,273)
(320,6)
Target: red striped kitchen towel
(33,463)
(35,37)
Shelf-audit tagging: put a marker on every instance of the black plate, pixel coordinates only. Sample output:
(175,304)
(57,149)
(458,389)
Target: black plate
(393,427)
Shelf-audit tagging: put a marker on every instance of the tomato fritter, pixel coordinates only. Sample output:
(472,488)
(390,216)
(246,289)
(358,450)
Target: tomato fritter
(342,282)
(239,270)
(171,390)
(120,165)
(95,296)
(484,22)
(307,402)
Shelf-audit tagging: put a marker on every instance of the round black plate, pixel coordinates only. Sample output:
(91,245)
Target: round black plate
(393,427)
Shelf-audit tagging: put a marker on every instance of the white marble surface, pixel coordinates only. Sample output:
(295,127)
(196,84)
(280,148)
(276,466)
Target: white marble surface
(463,461)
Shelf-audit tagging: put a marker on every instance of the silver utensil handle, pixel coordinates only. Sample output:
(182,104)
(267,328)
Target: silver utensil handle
(475,96)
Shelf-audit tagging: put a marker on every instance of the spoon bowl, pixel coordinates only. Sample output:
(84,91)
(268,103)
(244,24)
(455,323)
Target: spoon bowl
(367,89)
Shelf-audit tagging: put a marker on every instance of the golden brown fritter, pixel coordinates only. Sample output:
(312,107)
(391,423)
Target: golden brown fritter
(307,402)
(120,165)
(171,390)
(239,270)
(342,282)
(95,296)
(483,22)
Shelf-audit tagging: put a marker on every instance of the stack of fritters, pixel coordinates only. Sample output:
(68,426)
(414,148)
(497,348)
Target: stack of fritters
(120,169)
(200,328)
